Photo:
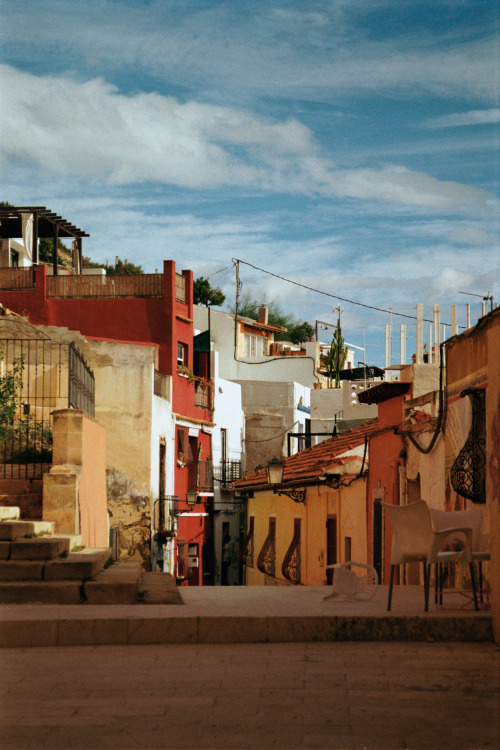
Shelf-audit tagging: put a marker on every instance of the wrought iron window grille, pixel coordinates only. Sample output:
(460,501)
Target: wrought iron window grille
(291,562)
(468,473)
(266,561)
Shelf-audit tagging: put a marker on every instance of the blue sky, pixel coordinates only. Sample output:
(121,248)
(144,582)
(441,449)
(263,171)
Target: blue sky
(349,145)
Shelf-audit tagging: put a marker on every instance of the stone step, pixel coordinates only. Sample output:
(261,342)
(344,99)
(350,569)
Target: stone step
(158,588)
(39,548)
(21,570)
(45,527)
(40,592)
(15,530)
(117,584)
(77,565)
(21,486)
(12,513)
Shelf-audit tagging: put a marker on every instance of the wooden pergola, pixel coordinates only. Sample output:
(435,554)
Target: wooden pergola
(46,225)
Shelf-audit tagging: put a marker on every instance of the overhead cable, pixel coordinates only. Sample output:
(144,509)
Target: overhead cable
(333,296)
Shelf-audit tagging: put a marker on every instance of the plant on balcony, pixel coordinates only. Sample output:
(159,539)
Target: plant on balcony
(186,372)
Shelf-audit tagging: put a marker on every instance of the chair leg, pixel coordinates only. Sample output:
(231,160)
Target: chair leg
(473,581)
(391,583)
(427,576)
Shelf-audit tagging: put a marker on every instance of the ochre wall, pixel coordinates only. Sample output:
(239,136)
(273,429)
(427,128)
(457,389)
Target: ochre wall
(347,505)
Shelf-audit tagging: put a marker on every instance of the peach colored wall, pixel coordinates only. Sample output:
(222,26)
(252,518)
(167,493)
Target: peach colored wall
(74,492)
(92,490)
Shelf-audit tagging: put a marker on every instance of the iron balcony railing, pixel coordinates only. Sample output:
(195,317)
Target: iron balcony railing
(114,286)
(205,476)
(227,472)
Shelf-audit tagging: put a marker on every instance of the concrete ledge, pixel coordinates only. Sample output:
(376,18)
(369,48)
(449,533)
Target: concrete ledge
(244,615)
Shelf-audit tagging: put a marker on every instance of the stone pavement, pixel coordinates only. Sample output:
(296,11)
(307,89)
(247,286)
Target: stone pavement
(339,695)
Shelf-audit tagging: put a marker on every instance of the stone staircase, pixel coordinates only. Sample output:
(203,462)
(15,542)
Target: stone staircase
(38,566)
(23,494)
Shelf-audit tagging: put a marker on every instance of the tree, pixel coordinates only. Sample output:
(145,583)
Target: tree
(301,332)
(334,360)
(120,268)
(205,294)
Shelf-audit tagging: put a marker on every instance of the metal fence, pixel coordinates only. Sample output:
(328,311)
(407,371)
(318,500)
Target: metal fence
(37,377)
(81,383)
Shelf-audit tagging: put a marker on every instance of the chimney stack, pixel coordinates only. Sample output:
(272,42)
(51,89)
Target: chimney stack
(264,315)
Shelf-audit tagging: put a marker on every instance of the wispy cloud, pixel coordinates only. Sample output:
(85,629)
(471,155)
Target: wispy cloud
(464,119)
(330,47)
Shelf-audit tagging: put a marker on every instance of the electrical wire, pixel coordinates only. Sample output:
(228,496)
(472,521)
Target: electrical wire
(333,296)
(275,437)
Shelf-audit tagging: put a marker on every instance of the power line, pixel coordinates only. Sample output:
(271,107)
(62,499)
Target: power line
(333,296)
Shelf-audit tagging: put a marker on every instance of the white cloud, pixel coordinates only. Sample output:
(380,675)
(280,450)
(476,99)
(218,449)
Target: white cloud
(90,130)
(465,119)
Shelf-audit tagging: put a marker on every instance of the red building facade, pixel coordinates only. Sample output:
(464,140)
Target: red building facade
(144,309)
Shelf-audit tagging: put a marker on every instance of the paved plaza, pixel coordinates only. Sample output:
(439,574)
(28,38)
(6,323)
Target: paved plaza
(383,696)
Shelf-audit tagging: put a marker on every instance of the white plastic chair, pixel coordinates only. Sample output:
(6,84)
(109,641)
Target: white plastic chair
(414,539)
(346,582)
(441,519)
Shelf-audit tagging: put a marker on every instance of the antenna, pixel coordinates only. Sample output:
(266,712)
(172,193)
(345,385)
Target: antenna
(484,297)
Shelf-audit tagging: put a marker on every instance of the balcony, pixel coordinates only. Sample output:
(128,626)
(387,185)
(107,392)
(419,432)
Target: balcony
(161,385)
(105,287)
(12,279)
(227,472)
(180,287)
(203,394)
(205,476)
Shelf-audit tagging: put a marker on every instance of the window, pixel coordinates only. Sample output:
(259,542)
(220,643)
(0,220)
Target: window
(255,346)
(182,354)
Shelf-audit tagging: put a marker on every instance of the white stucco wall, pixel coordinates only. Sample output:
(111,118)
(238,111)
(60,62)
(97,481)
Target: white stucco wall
(272,369)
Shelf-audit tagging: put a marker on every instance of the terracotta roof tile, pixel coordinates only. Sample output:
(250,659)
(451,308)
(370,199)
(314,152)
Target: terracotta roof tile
(311,463)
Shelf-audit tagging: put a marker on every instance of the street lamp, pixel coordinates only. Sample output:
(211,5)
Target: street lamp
(274,471)
(191,498)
